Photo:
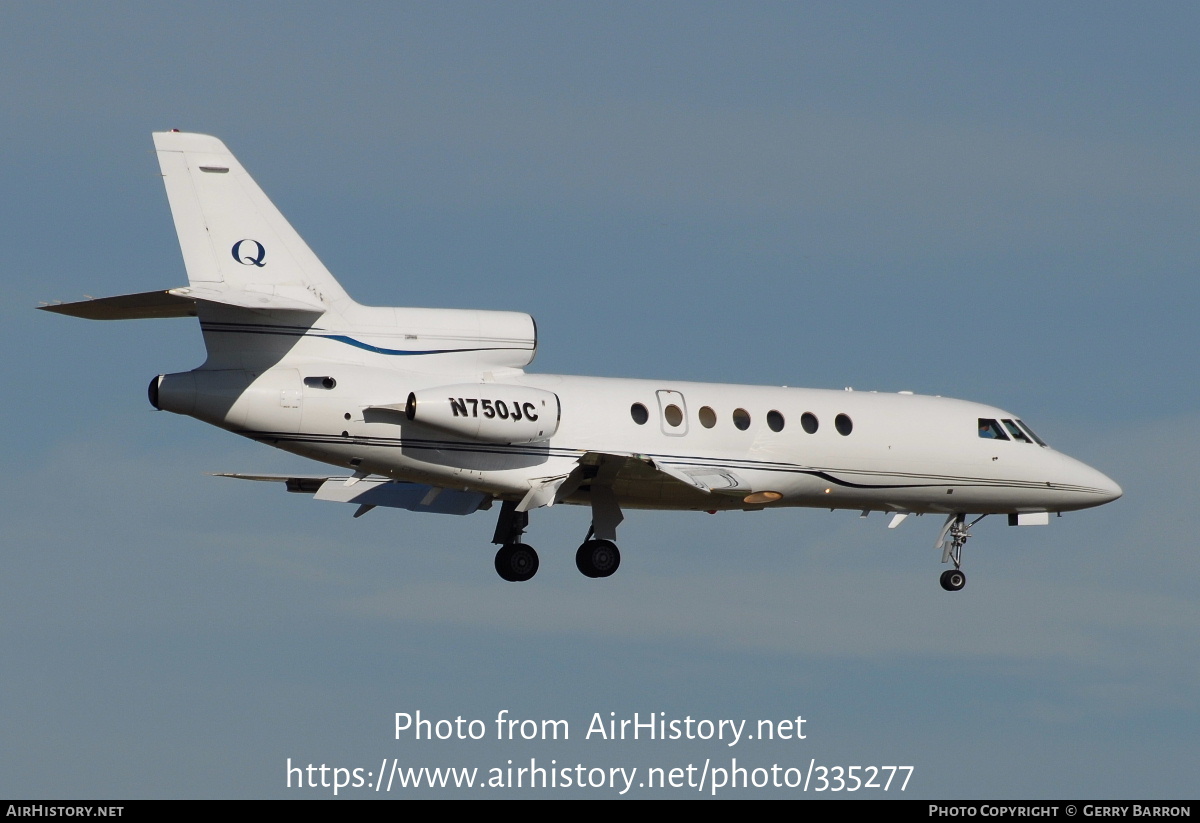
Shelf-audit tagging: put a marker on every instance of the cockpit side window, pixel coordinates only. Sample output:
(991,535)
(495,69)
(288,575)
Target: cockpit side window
(1030,432)
(990,430)
(1016,432)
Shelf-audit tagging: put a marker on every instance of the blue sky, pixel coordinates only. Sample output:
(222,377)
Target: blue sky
(983,201)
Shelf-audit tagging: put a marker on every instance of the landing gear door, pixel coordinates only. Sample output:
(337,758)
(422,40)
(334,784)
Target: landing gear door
(672,413)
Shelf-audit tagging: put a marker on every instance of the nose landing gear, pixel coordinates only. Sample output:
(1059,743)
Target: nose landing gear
(953,580)
(953,537)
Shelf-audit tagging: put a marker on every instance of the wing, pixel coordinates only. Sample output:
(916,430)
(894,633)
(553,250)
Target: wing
(370,492)
(606,470)
(707,479)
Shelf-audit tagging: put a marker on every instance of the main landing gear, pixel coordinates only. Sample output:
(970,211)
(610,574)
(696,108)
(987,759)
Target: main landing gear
(597,558)
(953,537)
(517,562)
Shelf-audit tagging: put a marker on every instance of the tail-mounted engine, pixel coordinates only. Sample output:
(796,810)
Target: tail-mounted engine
(492,412)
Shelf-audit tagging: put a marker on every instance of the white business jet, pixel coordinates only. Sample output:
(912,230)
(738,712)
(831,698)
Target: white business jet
(431,410)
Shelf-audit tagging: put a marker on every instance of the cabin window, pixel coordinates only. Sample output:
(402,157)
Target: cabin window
(639,414)
(741,419)
(809,422)
(1016,432)
(708,417)
(990,430)
(775,420)
(843,424)
(673,415)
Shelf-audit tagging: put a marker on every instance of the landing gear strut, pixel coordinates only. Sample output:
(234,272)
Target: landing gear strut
(953,537)
(597,557)
(516,562)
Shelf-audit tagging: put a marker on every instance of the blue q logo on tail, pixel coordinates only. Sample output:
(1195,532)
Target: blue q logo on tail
(255,259)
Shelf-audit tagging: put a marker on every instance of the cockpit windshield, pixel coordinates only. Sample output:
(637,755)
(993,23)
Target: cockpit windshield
(1016,432)
(990,430)
(1008,430)
(1029,432)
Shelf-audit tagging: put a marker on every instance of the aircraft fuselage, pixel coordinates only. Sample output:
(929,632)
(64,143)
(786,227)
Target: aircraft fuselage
(899,452)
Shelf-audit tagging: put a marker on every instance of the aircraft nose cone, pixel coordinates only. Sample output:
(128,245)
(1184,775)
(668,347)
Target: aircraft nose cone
(1079,485)
(1096,487)
(1111,491)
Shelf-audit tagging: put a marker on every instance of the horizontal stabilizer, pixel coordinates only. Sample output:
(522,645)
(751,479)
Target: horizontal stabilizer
(272,298)
(181,302)
(147,304)
(370,492)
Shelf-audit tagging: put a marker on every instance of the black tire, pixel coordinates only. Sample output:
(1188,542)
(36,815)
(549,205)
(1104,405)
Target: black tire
(953,579)
(516,562)
(598,558)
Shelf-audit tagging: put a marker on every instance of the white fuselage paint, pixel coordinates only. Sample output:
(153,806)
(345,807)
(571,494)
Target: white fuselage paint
(905,453)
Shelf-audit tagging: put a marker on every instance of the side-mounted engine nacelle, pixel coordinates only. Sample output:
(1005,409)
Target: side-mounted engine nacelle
(209,395)
(492,412)
(232,398)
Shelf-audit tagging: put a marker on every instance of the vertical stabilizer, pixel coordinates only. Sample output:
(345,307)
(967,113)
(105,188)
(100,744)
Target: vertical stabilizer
(262,297)
(234,241)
